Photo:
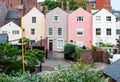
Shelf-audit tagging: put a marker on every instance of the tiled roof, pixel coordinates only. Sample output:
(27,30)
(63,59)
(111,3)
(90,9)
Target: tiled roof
(113,71)
(13,14)
(3,38)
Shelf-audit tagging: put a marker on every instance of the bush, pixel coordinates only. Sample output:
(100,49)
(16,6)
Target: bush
(5,78)
(69,49)
(84,47)
(74,73)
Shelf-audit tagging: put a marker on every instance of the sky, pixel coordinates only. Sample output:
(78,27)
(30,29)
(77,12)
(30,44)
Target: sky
(114,3)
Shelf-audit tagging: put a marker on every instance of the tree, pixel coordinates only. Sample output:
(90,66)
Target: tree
(24,40)
(33,57)
(9,58)
(73,5)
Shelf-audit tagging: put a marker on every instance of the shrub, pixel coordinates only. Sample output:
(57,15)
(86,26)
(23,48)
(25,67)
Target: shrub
(5,78)
(74,73)
(69,49)
(84,47)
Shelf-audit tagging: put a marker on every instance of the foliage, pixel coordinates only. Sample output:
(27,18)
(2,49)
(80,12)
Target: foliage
(93,47)
(77,52)
(84,47)
(33,56)
(101,44)
(8,58)
(73,73)
(24,40)
(73,5)
(5,78)
(69,49)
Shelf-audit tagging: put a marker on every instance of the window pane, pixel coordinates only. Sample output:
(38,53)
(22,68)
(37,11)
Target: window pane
(98,31)
(50,31)
(32,31)
(79,30)
(32,42)
(15,32)
(108,18)
(59,31)
(33,19)
(108,31)
(118,31)
(71,41)
(80,43)
(56,18)
(60,44)
(79,18)
(98,18)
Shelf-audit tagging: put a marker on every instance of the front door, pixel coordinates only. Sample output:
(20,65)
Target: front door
(50,45)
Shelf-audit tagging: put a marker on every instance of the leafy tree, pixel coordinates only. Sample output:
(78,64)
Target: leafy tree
(33,57)
(8,58)
(24,40)
(73,5)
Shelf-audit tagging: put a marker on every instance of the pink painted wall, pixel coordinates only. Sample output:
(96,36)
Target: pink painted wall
(86,24)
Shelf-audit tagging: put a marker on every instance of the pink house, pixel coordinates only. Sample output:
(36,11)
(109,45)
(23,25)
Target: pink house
(80,28)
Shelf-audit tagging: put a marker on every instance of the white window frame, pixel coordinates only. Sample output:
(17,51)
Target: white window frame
(61,31)
(71,42)
(34,19)
(58,43)
(80,43)
(98,18)
(79,29)
(98,31)
(57,19)
(80,18)
(49,30)
(31,31)
(15,32)
(107,33)
(108,18)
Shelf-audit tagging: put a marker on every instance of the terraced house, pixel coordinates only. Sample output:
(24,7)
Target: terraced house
(80,28)
(33,24)
(104,27)
(56,29)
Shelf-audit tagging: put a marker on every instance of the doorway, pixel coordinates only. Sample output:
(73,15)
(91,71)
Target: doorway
(50,45)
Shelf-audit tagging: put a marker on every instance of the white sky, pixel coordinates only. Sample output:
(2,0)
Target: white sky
(114,3)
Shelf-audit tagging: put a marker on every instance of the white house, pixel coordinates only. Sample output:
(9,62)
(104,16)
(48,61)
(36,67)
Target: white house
(117,29)
(13,31)
(104,27)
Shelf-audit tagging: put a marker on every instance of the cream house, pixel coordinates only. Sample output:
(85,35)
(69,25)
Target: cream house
(33,24)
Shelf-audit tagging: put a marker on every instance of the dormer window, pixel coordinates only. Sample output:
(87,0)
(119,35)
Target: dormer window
(80,18)
(56,18)
(108,18)
(33,19)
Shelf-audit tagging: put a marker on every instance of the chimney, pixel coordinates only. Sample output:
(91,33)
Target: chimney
(67,6)
(46,9)
(62,5)
(89,7)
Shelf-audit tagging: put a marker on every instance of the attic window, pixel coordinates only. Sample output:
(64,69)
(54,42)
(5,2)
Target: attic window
(56,18)
(108,18)
(80,18)
(33,19)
